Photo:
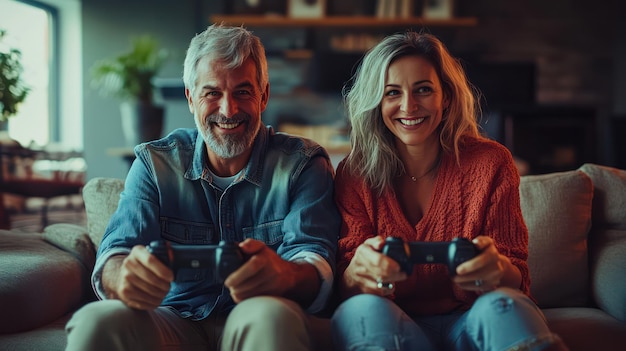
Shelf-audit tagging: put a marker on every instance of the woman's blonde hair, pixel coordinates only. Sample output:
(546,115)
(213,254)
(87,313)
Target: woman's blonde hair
(374,156)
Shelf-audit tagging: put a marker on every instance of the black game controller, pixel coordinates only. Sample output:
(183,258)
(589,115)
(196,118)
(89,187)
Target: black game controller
(199,262)
(451,253)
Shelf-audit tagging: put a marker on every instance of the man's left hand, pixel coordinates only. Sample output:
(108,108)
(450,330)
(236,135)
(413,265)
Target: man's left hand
(266,273)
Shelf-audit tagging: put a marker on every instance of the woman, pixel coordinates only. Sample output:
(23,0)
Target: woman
(420,170)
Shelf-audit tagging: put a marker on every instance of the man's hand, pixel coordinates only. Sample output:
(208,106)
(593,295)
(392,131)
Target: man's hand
(266,273)
(139,279)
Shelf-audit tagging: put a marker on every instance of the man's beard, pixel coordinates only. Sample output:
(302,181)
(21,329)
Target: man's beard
(228,145)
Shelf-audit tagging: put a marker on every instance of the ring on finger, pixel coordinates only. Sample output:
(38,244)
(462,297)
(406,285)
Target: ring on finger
(384,285)
(478,283)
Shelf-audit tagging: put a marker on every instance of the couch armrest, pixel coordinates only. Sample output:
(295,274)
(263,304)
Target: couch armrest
(39,282)
(73,239)
(607,239)
(608,269)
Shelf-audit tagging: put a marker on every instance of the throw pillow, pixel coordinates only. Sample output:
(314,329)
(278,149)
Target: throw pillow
(101,197)
(609,200)
(557,211)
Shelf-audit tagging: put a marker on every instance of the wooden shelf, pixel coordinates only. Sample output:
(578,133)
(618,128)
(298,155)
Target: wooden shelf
(338,21)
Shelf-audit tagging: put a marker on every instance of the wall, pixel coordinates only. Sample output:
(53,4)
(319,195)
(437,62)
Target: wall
(573,44)
(619,77)
(571,41)
(107,29)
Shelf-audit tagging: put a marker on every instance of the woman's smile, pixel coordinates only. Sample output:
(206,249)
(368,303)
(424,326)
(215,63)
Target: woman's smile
(412,121)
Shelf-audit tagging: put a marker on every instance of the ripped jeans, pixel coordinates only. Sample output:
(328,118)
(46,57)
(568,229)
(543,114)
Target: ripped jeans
(503,319)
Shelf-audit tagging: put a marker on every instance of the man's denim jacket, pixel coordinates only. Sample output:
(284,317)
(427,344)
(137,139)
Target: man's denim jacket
(284,197)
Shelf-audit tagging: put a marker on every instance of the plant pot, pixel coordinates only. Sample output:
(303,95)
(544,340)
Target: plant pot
(141,122)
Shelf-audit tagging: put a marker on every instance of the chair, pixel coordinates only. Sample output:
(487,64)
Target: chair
(17,176)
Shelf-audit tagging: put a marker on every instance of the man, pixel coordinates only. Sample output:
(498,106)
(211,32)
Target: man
(229,179)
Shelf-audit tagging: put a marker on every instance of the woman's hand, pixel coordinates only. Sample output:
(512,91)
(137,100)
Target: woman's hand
(370,271)
(488,270)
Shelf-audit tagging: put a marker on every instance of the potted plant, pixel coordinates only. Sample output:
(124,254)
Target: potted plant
(13,91)
(12,88)
(129,77)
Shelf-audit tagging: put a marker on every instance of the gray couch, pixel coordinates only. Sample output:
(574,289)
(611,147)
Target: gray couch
(577,244)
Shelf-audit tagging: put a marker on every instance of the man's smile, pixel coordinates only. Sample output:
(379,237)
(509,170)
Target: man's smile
(228,125)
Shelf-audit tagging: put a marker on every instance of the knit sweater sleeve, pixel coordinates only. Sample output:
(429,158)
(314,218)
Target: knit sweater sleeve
(351,197)
(503,217)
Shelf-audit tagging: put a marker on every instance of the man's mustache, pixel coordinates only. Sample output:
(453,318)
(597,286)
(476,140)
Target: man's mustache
(236,118)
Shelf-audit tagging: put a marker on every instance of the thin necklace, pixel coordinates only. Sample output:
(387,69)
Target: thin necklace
(435,165)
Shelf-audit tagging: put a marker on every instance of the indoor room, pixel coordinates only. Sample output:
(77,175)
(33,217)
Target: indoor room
(83,82)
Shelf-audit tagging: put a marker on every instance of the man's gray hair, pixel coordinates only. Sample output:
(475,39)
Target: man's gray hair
(228,45)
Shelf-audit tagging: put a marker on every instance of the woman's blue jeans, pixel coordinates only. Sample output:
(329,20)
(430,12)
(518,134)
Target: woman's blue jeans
(499,320)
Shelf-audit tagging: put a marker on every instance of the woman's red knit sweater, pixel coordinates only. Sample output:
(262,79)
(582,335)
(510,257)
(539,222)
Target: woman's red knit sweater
(478,197)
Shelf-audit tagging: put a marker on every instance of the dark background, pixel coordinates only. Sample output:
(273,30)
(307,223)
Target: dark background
(553,73)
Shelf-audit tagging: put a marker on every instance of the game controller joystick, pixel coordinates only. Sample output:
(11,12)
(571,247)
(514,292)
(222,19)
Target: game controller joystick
(452,253)
(198,262)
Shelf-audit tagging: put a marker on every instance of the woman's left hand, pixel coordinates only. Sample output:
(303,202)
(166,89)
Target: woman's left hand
(485,271)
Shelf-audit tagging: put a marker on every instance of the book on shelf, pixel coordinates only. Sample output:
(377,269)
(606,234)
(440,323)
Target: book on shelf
(394,8)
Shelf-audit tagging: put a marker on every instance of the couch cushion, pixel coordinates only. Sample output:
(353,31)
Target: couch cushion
(607,239)
(101,197)
(585,329)
(50,337)
(38,282)
(557,211)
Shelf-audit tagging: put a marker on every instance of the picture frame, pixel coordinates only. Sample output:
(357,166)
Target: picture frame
(256,7)
(306,8)
(438,9)
(244,7)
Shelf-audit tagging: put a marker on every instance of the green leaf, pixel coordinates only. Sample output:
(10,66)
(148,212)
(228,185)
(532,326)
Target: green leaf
(13,91)
(130,75)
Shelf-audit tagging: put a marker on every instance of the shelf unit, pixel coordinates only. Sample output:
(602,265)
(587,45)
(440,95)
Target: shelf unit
(339,21)
(312,25)
(339,38)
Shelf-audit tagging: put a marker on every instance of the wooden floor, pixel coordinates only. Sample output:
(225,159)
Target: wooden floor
(27,217)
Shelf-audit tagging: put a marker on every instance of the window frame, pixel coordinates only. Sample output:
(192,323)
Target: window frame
(54,130)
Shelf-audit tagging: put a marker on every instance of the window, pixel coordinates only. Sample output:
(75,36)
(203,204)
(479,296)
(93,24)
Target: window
(28,27)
